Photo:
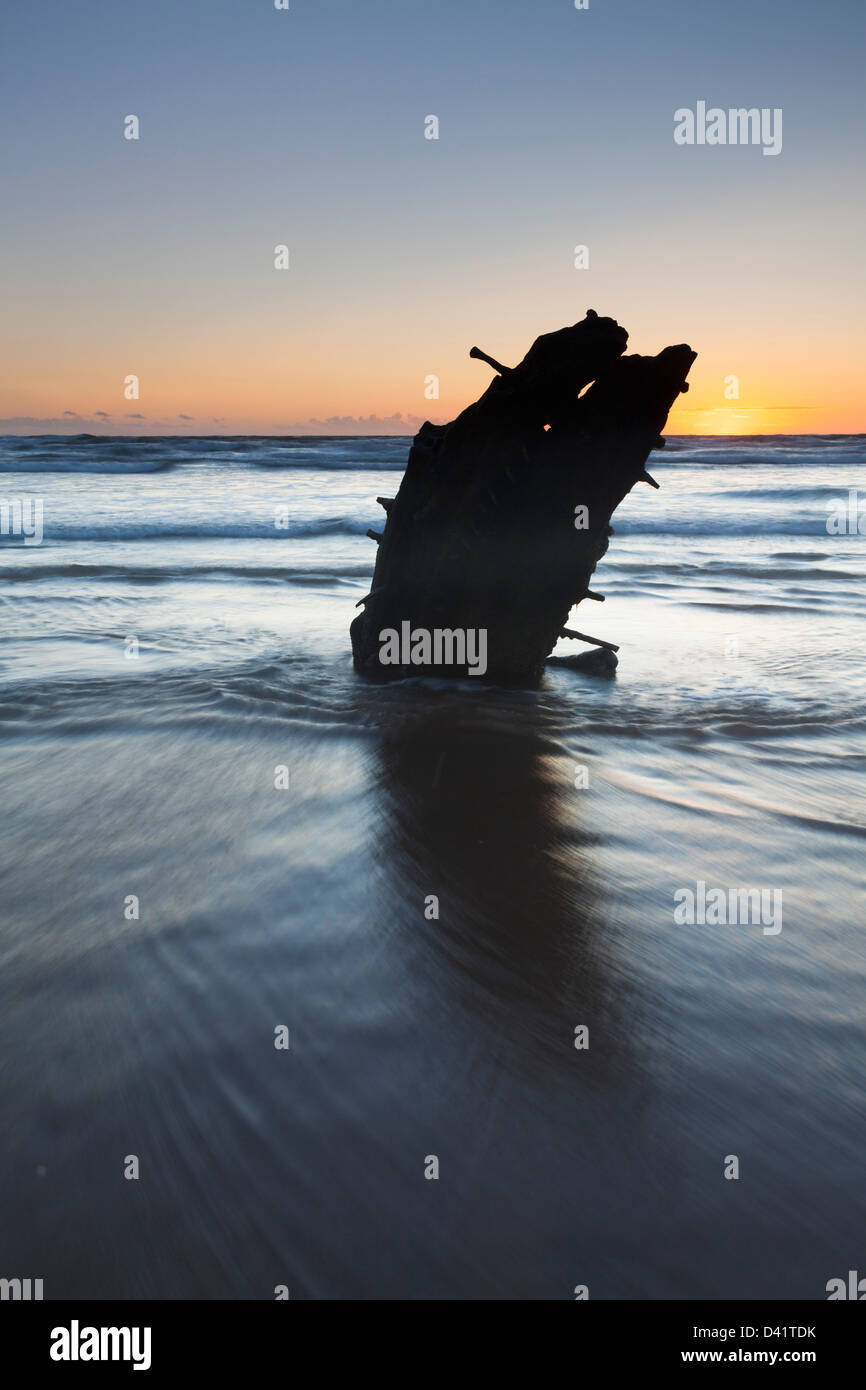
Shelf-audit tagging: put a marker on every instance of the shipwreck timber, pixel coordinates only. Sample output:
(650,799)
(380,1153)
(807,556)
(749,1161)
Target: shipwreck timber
(503,514)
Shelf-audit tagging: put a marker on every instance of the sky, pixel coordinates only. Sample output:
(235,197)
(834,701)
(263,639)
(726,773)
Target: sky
(154,258)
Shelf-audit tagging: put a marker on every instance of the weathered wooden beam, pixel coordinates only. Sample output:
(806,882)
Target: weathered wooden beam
(585,637)
(491,361)
(485,539)
(372,594)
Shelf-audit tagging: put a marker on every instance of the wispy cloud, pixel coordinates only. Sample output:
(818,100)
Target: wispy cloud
(397,424)
(101,422)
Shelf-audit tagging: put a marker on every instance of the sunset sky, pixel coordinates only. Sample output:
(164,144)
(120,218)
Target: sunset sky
(306,127)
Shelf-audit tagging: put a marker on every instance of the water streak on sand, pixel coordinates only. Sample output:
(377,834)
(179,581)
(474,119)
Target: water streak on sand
(729,749)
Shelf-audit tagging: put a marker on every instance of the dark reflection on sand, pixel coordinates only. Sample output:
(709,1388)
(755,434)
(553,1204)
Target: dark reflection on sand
(412,1037)
(483,813)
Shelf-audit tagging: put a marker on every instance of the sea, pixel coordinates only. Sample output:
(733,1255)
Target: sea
(317,989)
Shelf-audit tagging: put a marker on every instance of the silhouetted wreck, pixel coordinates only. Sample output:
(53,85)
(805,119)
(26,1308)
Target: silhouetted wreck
(503,514)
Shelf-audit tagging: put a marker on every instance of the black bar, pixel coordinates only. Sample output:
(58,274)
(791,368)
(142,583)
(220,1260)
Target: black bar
(600,1338)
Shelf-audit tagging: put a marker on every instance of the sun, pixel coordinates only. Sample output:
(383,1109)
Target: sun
(725,419)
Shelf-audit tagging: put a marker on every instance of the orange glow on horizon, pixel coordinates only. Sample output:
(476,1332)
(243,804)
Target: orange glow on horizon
(728,420)
(248,377)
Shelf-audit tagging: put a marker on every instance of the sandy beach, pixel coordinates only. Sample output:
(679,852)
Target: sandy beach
(553,828)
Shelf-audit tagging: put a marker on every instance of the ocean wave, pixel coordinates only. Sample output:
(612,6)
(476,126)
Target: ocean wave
(113,469)
(144,574)
(88,453)
(722,569)
(771,524)
(157,528)
(800,495)
(816,450)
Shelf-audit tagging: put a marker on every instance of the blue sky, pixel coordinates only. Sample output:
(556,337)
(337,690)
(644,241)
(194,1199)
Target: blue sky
(305,127)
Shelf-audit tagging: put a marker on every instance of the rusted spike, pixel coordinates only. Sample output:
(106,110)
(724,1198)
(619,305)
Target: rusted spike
(386,502)
(645,477)
(372,594)
(491,361)
(374,535)
(598,598)
(584,637)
